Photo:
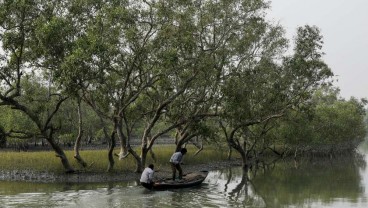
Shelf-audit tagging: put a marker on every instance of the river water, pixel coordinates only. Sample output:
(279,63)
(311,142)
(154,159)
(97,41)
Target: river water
(339,182)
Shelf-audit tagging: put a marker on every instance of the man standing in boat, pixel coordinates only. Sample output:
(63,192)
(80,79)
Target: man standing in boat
(175,162)
(147,177)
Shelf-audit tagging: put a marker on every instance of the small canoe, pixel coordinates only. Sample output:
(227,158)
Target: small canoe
(189,180)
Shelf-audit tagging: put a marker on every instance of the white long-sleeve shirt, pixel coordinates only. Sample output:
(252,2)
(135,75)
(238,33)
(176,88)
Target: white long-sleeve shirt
(147,175)
(176,158)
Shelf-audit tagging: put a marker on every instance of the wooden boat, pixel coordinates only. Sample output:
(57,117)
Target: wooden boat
(189,180)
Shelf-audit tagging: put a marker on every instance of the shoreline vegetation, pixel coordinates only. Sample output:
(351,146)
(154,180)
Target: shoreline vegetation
(44,166)
(104,177)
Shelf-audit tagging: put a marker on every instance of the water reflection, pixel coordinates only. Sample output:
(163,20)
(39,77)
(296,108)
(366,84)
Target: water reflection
(236,187)
(312,182)
(307,183)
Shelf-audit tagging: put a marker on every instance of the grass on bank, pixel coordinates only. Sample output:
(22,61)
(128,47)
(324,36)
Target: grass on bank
(97,159)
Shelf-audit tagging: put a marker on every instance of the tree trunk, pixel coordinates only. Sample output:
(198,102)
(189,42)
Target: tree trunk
(199,150)
(2,138)
(139,162)
(179,144)
(244,159)
(229,152)
(143,159)
(111,144)
(123,140)
(79,138)
(60,153)
(110,154)
(146,139)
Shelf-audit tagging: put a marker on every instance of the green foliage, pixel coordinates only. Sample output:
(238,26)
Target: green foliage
(331,121)
(339,122)
(148,68)
(67,138)
(67,123)
(16,127)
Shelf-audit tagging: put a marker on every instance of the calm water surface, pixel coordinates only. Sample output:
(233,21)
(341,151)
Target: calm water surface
(308,183)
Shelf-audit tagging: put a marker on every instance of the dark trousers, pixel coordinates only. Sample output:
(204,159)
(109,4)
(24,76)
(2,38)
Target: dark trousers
(147,185)
(175,167)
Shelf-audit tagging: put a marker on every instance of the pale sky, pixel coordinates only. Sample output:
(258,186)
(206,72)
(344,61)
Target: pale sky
(344,26)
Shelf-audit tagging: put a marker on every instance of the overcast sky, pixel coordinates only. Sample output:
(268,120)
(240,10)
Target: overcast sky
(344,26)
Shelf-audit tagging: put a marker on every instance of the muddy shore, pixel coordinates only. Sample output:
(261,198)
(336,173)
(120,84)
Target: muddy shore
(90,177)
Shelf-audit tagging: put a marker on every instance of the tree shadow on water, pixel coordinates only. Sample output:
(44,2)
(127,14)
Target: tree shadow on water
(297,183)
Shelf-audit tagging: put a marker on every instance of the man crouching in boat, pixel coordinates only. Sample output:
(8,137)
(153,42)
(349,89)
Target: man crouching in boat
(175,161)
(147,177)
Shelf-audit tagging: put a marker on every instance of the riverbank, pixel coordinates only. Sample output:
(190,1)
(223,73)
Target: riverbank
(99,177)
